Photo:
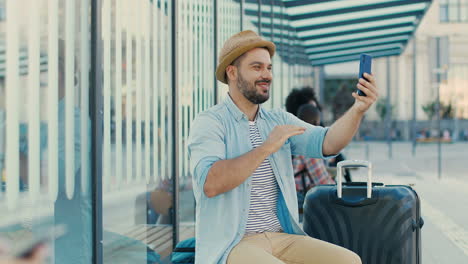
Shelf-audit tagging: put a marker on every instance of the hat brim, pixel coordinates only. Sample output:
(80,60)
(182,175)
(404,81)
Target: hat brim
(236,53)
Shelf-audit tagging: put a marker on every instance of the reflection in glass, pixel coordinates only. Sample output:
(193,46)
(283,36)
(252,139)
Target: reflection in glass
(137,213)
(44,137)
(45,124)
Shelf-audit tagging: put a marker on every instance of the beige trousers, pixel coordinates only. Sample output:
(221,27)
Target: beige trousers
(275,248)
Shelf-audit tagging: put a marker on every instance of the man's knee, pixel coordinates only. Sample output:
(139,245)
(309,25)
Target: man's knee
(355,259)
(347,256)
(343,255)
(327,252)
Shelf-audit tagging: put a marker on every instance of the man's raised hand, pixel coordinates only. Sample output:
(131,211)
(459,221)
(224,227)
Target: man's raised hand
(279,135)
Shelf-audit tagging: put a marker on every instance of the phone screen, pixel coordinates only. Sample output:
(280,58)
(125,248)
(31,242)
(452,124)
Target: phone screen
(365,64)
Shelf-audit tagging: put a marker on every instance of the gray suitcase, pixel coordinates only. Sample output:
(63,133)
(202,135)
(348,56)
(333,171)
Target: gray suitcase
(381,223)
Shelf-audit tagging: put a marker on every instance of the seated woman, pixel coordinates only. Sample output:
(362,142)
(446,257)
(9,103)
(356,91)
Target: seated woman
(309,172)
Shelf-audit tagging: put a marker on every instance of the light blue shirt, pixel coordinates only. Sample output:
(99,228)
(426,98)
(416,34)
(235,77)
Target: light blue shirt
(220,133)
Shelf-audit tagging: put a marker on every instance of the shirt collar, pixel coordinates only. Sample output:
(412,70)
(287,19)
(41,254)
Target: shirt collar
(237,113)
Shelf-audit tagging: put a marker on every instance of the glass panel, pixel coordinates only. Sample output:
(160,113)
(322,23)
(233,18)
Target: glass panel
(228,25)
(85,124)
(157,71)
(117,95)
(33,93)
(284,56)
(69,98)
(183,77)
(138,88)
(165,63)
(10,115)
(137,203)
(169,134)
(53,95)
(44,150)
(208,99)
(106,159)
(74,208)
(147,93)
(266,21)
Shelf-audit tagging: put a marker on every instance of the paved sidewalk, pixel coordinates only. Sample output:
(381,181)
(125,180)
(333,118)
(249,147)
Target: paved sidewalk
(443,201)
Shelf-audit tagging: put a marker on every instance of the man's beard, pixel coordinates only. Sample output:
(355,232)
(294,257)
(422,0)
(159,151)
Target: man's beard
(250,91)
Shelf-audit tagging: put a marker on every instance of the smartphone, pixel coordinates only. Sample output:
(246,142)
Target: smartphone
(365,64)
(25,249)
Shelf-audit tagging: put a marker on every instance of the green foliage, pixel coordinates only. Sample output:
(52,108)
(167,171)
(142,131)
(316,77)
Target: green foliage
(430,109)
(381,108)
(445,112)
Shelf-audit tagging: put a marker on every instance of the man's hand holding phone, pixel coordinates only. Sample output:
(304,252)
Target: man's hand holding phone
(363,103)
(366,93)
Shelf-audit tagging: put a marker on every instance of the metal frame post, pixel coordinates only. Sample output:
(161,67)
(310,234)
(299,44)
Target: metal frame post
(413,127)
(259,17)
(215,46)
(175,125)
(439,146)
(241,15)
(388,111)
(272,38)
(96,114)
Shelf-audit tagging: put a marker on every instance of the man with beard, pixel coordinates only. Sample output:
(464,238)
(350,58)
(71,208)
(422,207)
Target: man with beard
(240,160)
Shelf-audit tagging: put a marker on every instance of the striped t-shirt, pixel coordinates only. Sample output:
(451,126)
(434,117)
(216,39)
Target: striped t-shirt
(264,195)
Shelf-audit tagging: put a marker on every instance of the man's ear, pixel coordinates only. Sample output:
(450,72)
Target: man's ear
(231,72)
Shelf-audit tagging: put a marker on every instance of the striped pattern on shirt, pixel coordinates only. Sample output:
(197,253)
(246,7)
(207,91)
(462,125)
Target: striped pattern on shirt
(264,194)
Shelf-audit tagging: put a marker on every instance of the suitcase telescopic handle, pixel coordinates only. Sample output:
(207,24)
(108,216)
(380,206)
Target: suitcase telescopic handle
(353,164)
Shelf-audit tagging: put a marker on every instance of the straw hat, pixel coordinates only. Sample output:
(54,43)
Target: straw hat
(237,45)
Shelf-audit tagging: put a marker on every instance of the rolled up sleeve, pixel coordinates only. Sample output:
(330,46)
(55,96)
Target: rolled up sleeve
(310,143)
(206,146)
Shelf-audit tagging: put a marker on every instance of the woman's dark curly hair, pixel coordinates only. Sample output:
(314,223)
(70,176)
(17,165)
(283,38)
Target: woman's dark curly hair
(298,97)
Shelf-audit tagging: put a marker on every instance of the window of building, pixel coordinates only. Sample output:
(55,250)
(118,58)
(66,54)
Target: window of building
(454,11)
(2,11)
(464,10)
